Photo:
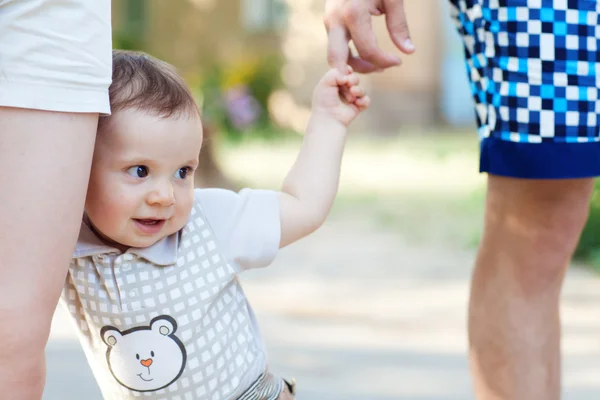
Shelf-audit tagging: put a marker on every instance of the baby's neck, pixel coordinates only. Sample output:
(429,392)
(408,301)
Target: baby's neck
(105,239)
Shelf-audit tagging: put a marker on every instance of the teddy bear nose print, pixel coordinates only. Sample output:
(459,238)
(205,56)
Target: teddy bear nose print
(146,363)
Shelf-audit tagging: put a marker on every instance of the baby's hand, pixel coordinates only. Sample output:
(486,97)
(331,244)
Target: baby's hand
(339,96)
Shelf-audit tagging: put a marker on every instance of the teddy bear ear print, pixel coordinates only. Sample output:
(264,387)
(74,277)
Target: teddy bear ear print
(110,335)
(164,325)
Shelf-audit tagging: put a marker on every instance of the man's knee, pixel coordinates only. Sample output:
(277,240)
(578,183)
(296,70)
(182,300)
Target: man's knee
(536,224)
(545,213)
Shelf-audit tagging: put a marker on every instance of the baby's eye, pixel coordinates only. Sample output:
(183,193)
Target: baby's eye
(138,171)
(183,173)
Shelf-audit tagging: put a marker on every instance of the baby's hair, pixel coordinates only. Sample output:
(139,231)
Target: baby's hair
(142,82)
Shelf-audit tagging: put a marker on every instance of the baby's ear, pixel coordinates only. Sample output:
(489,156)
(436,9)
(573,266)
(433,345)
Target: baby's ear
(110,335)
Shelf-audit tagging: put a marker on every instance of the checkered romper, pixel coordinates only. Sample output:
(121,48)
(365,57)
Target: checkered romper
(532,69)
(168,322)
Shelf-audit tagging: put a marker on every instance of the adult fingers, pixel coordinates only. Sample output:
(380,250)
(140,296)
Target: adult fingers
(357,19)
(337,47)
(397,25)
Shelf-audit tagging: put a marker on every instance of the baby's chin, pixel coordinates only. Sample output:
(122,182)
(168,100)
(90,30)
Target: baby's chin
(143,243)
(126,238)
(126,242)
(140,241)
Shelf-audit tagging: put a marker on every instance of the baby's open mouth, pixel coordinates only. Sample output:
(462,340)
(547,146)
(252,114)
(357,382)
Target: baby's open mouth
(149,221)
(149,225)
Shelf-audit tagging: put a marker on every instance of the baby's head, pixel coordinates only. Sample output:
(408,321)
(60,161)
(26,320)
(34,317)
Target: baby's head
(142,181)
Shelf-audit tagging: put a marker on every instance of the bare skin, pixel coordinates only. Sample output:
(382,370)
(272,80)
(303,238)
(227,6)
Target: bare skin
(45,160)
(531,231)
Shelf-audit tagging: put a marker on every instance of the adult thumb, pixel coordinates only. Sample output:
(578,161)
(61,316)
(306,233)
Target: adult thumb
(397,25)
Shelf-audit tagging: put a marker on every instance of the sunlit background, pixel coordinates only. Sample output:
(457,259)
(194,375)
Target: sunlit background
(373,305)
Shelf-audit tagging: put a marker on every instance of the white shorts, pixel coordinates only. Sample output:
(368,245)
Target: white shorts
(55,55)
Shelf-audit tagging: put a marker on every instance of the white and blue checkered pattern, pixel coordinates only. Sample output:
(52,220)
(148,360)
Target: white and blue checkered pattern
(532,67)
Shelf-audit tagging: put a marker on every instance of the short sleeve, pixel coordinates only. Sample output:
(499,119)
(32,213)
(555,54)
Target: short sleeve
(246,224)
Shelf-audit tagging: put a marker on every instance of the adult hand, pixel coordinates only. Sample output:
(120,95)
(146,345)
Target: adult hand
(347,20)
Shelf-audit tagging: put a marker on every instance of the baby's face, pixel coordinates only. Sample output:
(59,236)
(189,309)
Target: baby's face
(142,181)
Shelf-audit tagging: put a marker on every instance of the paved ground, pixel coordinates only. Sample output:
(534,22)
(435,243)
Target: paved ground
(355,313)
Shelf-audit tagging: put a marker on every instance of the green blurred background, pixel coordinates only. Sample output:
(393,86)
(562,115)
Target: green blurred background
(252,65)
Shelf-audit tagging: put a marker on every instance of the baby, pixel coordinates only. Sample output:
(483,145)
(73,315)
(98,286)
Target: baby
(153,285)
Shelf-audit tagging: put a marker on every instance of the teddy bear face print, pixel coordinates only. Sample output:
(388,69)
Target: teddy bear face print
(145,358)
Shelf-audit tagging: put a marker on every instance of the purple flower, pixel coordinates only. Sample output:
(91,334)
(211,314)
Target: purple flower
(242,108)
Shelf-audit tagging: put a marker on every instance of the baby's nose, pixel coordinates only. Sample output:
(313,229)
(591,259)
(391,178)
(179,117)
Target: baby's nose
(146,363)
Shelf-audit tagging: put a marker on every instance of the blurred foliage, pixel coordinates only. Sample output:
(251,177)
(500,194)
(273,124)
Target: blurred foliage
(233,95)
(127,41)
(588,248)
(230,92)
(130,35)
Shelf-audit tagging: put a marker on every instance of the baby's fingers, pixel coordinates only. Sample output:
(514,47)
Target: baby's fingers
(357,91)
(342,79)
(333,77)
(352,79)
(363,102)
(346,94)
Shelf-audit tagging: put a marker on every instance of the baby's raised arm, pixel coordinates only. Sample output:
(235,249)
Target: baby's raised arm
(311,185)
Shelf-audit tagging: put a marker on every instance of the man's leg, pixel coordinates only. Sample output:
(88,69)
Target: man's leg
(45,160)
(531,230)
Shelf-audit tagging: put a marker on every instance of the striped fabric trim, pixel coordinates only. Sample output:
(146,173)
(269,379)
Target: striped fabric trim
(266,387)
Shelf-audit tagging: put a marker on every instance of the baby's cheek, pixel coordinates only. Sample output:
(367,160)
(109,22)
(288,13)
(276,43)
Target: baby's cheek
(184,209)
(116,204)
(117,210)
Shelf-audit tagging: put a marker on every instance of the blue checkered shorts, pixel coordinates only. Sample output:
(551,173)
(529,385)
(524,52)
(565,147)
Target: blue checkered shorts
(532,68)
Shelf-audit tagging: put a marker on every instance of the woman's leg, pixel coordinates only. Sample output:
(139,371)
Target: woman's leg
(45,160)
